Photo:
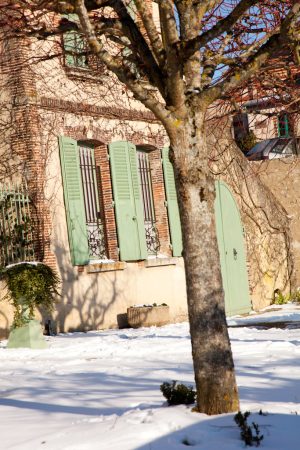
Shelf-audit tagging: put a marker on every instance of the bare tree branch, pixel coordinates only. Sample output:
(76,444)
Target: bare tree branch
(241,74)
(223,25)
(175,85)
(141,92)
(152,32)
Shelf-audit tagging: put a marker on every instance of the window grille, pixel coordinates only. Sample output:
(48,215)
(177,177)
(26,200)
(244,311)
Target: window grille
(283,125)
(74,45)
(94,223)
(16,230)
(152,238)
(75,50)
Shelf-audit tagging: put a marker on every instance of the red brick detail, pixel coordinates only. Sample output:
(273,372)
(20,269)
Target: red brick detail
(110,112)
(25,144)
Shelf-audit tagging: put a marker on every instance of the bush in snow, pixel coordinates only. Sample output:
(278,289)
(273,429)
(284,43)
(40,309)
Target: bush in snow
(178,394)
(29,285)
(250,434)
(281,299)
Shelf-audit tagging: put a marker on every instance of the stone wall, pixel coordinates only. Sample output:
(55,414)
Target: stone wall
(282,176)
(6,313)
(50,103)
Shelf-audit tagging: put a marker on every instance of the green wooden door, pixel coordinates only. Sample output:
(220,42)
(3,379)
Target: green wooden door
(232,252)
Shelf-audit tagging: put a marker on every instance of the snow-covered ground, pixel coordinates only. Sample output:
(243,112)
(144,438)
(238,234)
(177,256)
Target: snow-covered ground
(100,390)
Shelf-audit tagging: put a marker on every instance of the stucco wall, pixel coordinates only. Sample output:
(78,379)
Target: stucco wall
(98,298)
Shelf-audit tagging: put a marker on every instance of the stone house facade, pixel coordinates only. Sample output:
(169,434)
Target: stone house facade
(268,108)
(102,189)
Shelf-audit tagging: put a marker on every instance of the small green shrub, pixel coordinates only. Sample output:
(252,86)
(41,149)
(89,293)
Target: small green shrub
(161,304)
(295,296)
(281,299)
(147,305)
(178,394)
(247,142)
(250,434)
(29,286)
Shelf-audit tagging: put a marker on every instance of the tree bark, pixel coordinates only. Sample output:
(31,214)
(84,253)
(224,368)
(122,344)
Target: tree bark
(213,363)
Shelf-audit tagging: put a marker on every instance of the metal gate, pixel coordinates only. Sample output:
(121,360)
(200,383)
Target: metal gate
(16,240)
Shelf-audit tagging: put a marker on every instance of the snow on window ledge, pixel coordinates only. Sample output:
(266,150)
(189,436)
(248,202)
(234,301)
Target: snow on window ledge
(104,266)
(161,261)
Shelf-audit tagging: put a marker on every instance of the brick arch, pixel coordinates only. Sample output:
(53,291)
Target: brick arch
(154,141)
(147,147)
(88,134)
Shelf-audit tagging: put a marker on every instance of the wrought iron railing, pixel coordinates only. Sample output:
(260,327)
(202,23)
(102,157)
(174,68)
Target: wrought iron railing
(94,222)
(152,238)
(16,229)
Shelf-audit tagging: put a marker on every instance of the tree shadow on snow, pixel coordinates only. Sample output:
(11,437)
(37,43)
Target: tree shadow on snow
(210,433)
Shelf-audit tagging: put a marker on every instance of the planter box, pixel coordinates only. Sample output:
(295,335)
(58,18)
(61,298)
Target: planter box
(27,336)
(147,316)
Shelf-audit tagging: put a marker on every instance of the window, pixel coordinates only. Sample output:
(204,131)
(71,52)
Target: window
(85,226)
(94,226)
(134,204)
(75,46)
(283,125)
(152,239)
(240,126)
(75,50)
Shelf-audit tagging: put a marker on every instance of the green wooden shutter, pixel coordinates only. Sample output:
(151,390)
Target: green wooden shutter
(135,178)
(74,202)
(70,48)
(172,204)
(128,201)
(283,125)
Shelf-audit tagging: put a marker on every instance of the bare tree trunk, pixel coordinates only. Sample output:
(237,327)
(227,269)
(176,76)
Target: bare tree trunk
(213,363)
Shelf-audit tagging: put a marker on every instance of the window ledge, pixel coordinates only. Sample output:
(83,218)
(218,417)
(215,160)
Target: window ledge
(85,73)
(105,267)
(157,262)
